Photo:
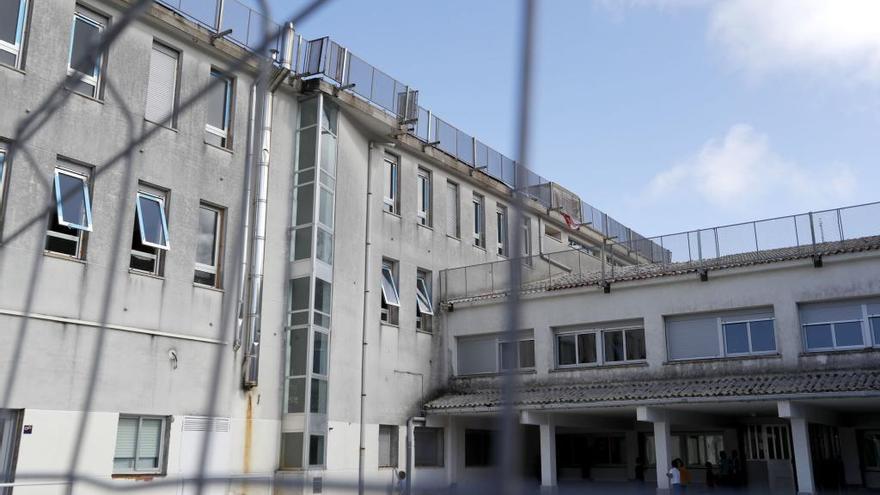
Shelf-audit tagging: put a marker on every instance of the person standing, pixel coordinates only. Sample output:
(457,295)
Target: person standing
(674,476)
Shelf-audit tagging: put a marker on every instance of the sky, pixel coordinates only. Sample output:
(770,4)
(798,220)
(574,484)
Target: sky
(669,115)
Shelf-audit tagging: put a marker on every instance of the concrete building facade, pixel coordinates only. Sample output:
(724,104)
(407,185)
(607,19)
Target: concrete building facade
(209,272)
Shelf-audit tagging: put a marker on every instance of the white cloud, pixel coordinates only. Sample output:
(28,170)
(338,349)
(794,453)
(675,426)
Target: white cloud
(838,38)
(741,174)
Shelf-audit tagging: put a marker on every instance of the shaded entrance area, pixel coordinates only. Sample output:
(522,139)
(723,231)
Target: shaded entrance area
(757,446)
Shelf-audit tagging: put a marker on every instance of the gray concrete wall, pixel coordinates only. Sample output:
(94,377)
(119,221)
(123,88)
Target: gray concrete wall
(780,285)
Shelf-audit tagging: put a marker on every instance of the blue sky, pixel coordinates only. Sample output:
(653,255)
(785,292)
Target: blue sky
(667,114)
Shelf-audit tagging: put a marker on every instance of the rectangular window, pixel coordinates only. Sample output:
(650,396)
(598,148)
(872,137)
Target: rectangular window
(13,16)
(718,335)
(840,325)
(478,445)
(490,354)
(870,450)
(73,214)
(424,198)
(516,355)
(391,181)
(479,221)
(140,445)
(150,233)
(162,85)
(323,303)
(219,101)
(704,447)
(453,210)
(749,337)
(429,446)
(390,295)
(607,450)
(209,248)
(527,238)
(424,301)
(501,221)
(598,346)
(388,445)
(291,450)
(875,324)
(316,450)
(553,232)
(84,65)
(675,449)
(10,426)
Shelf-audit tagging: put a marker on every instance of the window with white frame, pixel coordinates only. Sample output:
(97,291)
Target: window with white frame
(390,296)
(391,182)
(597,346)
(515,355)
(10,421)
(767,442)
(424,197)
(719,335)
(841,325)
(140,445)
(453,210)
(388,435)
(527,239)
(428,446)
(84,65)
(694,448)
(219,117)
(72,218)
(209,248)
(501,221)
(479,220)
(162,84)
(481,354)
(150,234)
(13,20)
(675,448)
(424,301)
(701,448)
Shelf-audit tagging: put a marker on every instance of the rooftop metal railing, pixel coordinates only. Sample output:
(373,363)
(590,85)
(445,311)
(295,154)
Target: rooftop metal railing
(810,231)
(324,57)
(220,15)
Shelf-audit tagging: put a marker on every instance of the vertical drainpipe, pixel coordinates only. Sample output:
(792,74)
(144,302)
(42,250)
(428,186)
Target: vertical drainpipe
(255,296)
(241,315)
(367,262)
(410,450)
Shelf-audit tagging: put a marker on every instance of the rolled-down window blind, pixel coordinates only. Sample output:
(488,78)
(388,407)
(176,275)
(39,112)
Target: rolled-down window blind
(162,84)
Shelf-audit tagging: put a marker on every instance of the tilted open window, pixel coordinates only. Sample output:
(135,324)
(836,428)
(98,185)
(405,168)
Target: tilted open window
(72,200)
(389,287)
(423,296)
(152,222)
(83,63)
(149,239)
(73,214)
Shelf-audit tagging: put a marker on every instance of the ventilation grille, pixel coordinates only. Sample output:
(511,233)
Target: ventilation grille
(205,423)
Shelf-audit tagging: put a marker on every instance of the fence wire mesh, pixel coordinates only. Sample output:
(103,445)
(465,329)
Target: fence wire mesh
(262,38)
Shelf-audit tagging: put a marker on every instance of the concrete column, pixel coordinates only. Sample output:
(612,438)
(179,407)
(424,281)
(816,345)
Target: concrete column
(632,451)
(452,454)
(849,453)
(803,461)
(662,454)
(548,457)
